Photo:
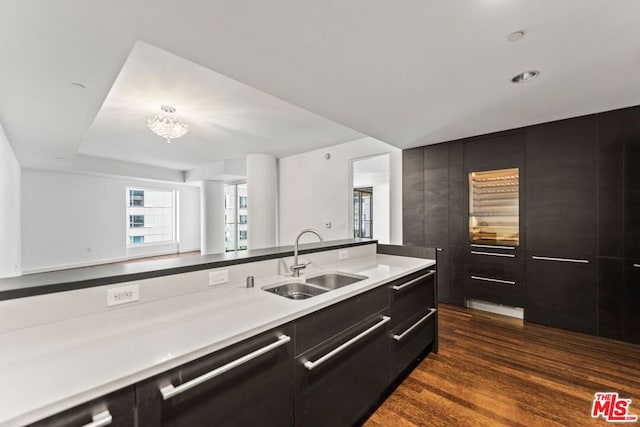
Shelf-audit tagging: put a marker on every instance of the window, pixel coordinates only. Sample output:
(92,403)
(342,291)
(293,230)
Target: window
(136,221)
(136,198)
(151,216)
(235,217)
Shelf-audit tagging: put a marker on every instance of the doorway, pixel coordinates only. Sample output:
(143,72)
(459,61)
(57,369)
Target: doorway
(370,208)
(363,212)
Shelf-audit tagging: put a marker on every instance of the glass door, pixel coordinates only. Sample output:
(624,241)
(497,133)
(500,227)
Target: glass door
(363,212)
(494,206)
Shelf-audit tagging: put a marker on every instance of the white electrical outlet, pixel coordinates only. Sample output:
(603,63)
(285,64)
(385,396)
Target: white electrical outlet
(343,254)
(327,225)
(218,277)
(123,295)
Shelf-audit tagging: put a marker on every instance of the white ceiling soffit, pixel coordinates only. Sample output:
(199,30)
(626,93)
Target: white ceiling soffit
(227,119)
(407,73)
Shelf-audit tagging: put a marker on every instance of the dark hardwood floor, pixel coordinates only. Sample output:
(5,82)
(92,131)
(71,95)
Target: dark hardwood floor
(496,371)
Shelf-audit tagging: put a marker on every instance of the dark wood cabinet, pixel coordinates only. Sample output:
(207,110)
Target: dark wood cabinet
(442,275)
(413,319)
(119,407)
(458,273)
(436,195)
(612,298)
(497,151)
(413,197)
(579,199)
(332,367)
(436,207)
(631,135)
(246,384)
(560,189)
(562,292)
(339,380)
(495,275)
(458,198)
(610,185)
(632,306)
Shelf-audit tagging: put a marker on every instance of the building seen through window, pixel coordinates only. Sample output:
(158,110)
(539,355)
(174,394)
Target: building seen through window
(235,217)
(150,216)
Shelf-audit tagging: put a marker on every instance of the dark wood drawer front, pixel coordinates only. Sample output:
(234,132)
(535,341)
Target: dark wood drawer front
(341,390)
(491,290)
(410,339)
(262,384)
(632,313)
(320,326)
(562,293)
(490,263)
(412,296)
(120,406)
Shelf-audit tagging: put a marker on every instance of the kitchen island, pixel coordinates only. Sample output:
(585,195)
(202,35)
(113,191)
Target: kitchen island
(65,348)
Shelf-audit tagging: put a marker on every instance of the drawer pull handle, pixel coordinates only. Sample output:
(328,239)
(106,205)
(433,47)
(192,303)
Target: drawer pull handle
(547,258)
(413,282)
(170,391)
(475,245)
(100,419)
(415,325)
(488,279)
(311,365)
(493,254)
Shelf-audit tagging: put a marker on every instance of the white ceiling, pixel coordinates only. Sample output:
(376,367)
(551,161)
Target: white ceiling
(227,119)
(408,73)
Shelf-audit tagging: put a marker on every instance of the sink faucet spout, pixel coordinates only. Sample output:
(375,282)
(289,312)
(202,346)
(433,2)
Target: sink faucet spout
(296,267)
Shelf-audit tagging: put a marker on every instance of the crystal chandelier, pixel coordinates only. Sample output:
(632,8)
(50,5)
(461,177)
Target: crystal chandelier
(167,125)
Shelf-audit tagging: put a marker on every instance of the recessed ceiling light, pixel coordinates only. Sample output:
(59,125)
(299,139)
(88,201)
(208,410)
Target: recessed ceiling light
(515,36)
(80,85)
(525,77)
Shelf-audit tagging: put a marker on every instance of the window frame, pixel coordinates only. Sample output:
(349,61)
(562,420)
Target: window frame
(174,216)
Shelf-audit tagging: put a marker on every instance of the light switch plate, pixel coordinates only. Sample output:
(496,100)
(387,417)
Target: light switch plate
(218,277)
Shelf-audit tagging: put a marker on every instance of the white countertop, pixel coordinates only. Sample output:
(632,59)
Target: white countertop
(50,368)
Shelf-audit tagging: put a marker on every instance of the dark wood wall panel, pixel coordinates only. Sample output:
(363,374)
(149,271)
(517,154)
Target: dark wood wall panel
(413,197)
(579,199)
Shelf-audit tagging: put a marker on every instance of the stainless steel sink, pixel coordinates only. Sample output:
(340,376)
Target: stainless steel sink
(295,290)
(334,279)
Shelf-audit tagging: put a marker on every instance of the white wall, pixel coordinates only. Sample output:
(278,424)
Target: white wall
(314,191)
(262,179)
(374,172)
(72,219)
(10,241)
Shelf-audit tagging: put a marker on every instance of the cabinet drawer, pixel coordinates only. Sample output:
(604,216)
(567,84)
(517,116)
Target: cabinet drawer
(324,324)
(338,381)
(411,338)
(217,389)
(562,292)
(119,406)
(496,263)
(495,275)
(412,295)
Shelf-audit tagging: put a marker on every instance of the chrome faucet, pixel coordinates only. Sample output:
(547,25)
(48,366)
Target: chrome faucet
(296,267)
